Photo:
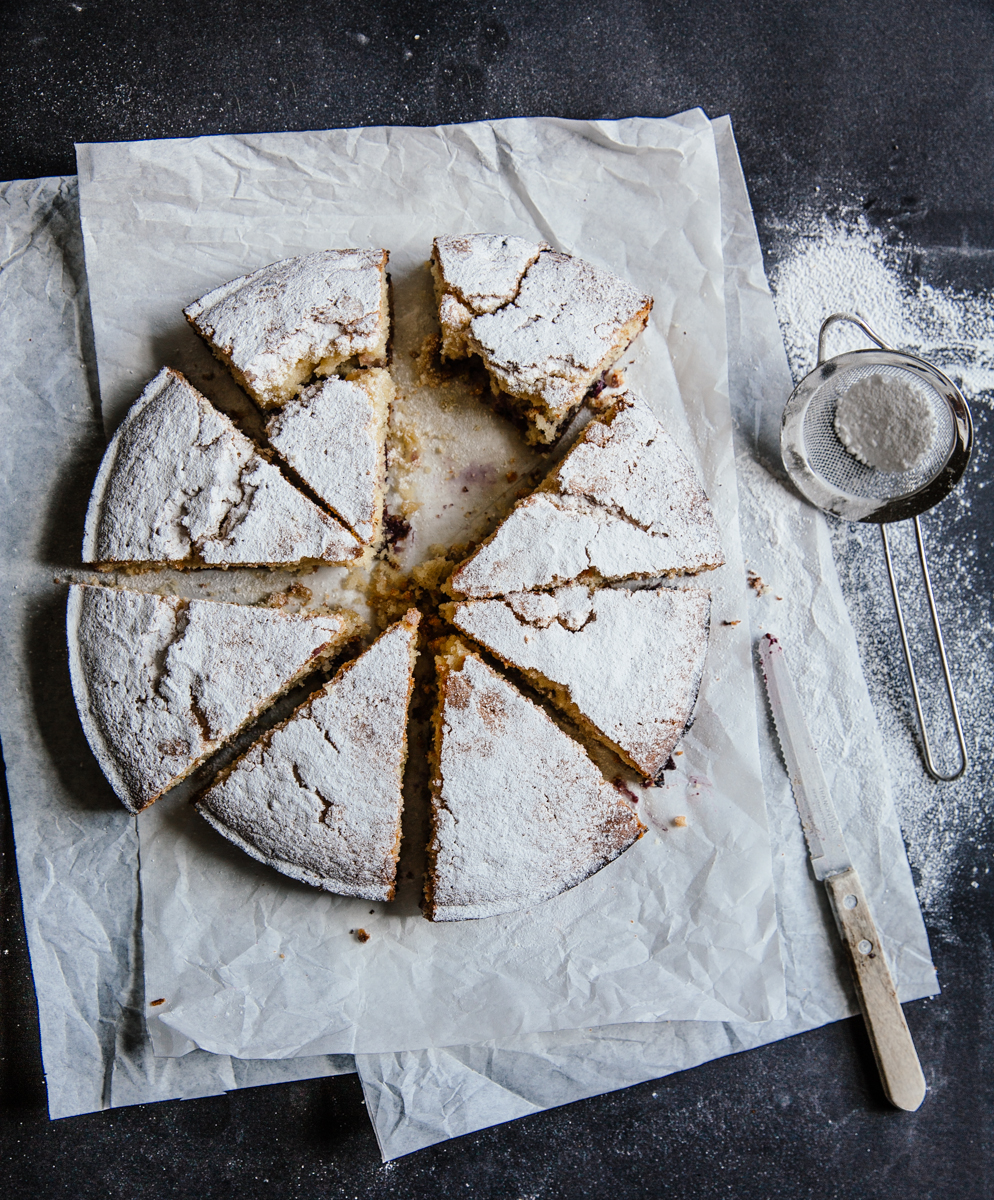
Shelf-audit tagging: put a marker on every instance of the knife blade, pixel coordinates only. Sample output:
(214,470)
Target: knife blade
(826,844)
(893,1047)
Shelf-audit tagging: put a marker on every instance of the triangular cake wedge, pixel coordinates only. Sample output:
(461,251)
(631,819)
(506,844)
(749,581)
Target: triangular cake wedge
(547,325)
(320,796)
(333,435)
(625,666)
(278,326)
(519,811)
(161,683)
(179,485)
(623,504)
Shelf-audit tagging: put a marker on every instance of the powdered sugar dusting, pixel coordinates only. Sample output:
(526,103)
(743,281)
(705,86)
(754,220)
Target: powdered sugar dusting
(848,266)
(322,307)
(521,813)
(839,264)
(630,672)
(333,436)
(566,317)
(319,798)
(160,682)
(624,504)
(180,484)
(484,270)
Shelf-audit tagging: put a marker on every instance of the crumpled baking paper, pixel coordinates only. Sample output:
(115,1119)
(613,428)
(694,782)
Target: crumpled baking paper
(247,962)
(80,932)
(76,847)
(418,1099)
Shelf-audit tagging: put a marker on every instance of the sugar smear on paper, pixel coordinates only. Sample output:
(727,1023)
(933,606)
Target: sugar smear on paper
(827,265)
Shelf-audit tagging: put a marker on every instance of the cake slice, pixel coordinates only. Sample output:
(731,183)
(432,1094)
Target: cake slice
(473,275)
(519,811)
(547,325)
(623,504)
(625,666)
(333,435)
(320,796)
(278,326)
(161,683)
(180,486)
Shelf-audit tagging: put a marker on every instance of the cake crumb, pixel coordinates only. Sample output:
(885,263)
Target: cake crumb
(295,598)
(755,581)
(156,1003)
(679,822)
(361,935)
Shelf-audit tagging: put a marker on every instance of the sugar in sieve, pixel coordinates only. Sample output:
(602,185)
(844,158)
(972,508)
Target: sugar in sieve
(828,475)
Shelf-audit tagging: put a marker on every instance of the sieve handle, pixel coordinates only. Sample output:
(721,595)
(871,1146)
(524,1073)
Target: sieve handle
(851,320)
(926,747)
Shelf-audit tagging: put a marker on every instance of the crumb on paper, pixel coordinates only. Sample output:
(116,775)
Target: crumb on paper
(755,581)
(361,935)
(736,622)
(295,597)
(156,1003)
(679,822)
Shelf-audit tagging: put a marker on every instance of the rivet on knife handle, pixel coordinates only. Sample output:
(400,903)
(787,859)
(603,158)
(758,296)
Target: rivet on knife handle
(890,1037)
(893,1048)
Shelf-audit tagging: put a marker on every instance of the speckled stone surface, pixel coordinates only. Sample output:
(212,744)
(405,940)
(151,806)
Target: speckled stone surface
(882,106)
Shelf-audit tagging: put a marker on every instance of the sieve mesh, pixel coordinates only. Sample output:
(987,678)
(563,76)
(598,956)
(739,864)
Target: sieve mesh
(839,470)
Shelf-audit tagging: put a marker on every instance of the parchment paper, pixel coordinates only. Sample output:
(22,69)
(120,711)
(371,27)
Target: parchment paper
(252,964)
(76,847)
(418,1099)
(75,857)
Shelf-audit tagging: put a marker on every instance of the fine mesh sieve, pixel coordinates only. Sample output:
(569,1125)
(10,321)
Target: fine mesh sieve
(829,458)
(829,476)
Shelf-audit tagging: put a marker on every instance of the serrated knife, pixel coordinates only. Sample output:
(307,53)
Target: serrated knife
(893,1048)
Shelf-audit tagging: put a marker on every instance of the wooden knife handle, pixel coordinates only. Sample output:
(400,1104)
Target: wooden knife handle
(893,1048)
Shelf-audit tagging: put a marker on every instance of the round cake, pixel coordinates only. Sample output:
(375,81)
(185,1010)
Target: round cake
(573,635)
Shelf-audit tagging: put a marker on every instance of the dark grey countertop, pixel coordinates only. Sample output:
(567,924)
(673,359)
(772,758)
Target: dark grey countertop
(879,108)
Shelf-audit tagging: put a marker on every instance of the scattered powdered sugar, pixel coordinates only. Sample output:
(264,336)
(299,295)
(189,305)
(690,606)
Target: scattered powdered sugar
(945,826)
(840,265)
(833,265)
(885,423)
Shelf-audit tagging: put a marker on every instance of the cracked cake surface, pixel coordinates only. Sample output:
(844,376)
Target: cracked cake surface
(520,813)
(546,324)
(161,683)
(625,665)
(625,503)
(320,796)
(276,327)
(180,485)
(333,435)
